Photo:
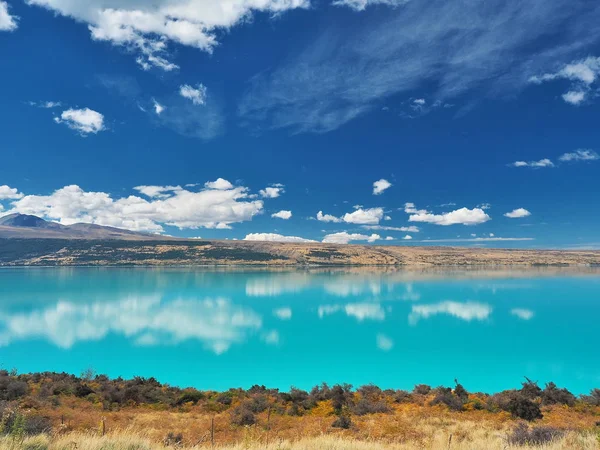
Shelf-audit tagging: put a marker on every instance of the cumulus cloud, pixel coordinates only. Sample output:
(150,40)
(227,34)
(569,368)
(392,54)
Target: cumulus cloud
(196,94)
(283,313)
(169,205)
(150,320)
(148,27)
(463,216)
(7,22)
(523,314)
(219,184)
(408,237)
(465,311)
(370,216)
(380,186)
(517,213)
(582,74)
(491,47)
(327,217)
(580,155)
(273,237)
(272,191)
(8,193)
(285,215)
(345,238)
(384,342)
(85,121)
(535,164)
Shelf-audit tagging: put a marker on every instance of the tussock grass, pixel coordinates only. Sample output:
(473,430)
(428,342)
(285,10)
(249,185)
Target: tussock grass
(468,437)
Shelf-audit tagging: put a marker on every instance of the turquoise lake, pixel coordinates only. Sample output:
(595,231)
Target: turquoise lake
(221,328)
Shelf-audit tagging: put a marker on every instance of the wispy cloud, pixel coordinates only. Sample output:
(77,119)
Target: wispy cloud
(582,74)
(492,48)
(345,238)
(580,155)
(535,164)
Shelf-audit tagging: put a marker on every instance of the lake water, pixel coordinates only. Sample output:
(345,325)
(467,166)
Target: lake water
(216,329)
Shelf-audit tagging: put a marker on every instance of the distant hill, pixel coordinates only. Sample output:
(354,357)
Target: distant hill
(24,226)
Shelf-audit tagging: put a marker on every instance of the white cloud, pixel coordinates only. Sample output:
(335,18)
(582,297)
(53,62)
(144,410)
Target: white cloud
(370,216)
(273,237)
(150,320)
(85,120)
(523,314)
(411,229)
(7,22)
(285,215)
(327,217)
(582,74)
(380,186)
(183,208)
(8,193)
(408,237)
(536,164)
(219,184)
(517,213)
(158,108)
(574,97)
(484,47)
(462,216)
(273,191)
(581,154)
(46,105)
(384,343)
(361,5)
(283,313)
(148,27)
(344,238)
(196,94)
(465,311)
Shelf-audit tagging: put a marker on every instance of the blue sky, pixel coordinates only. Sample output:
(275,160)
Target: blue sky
(207,117)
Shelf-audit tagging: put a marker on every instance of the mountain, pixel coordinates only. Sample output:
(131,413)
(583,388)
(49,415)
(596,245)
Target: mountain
(24,226)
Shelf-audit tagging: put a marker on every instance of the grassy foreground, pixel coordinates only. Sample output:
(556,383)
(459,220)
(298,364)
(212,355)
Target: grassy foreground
(51,411)
(471,436)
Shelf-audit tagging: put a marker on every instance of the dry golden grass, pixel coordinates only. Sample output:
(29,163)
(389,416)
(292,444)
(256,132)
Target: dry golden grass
(469,436)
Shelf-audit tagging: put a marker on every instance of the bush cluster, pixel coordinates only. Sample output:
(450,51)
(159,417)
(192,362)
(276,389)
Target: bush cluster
(245,406)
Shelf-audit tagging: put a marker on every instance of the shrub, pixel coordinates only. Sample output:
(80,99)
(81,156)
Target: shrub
(593,398)
(190,395)
(422,389)
(530,389)
(242,415)
(552,395)
(446,397)
(461,392)
(365,406)
(523,408)
(401,396)
(343,421)
(523,435)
